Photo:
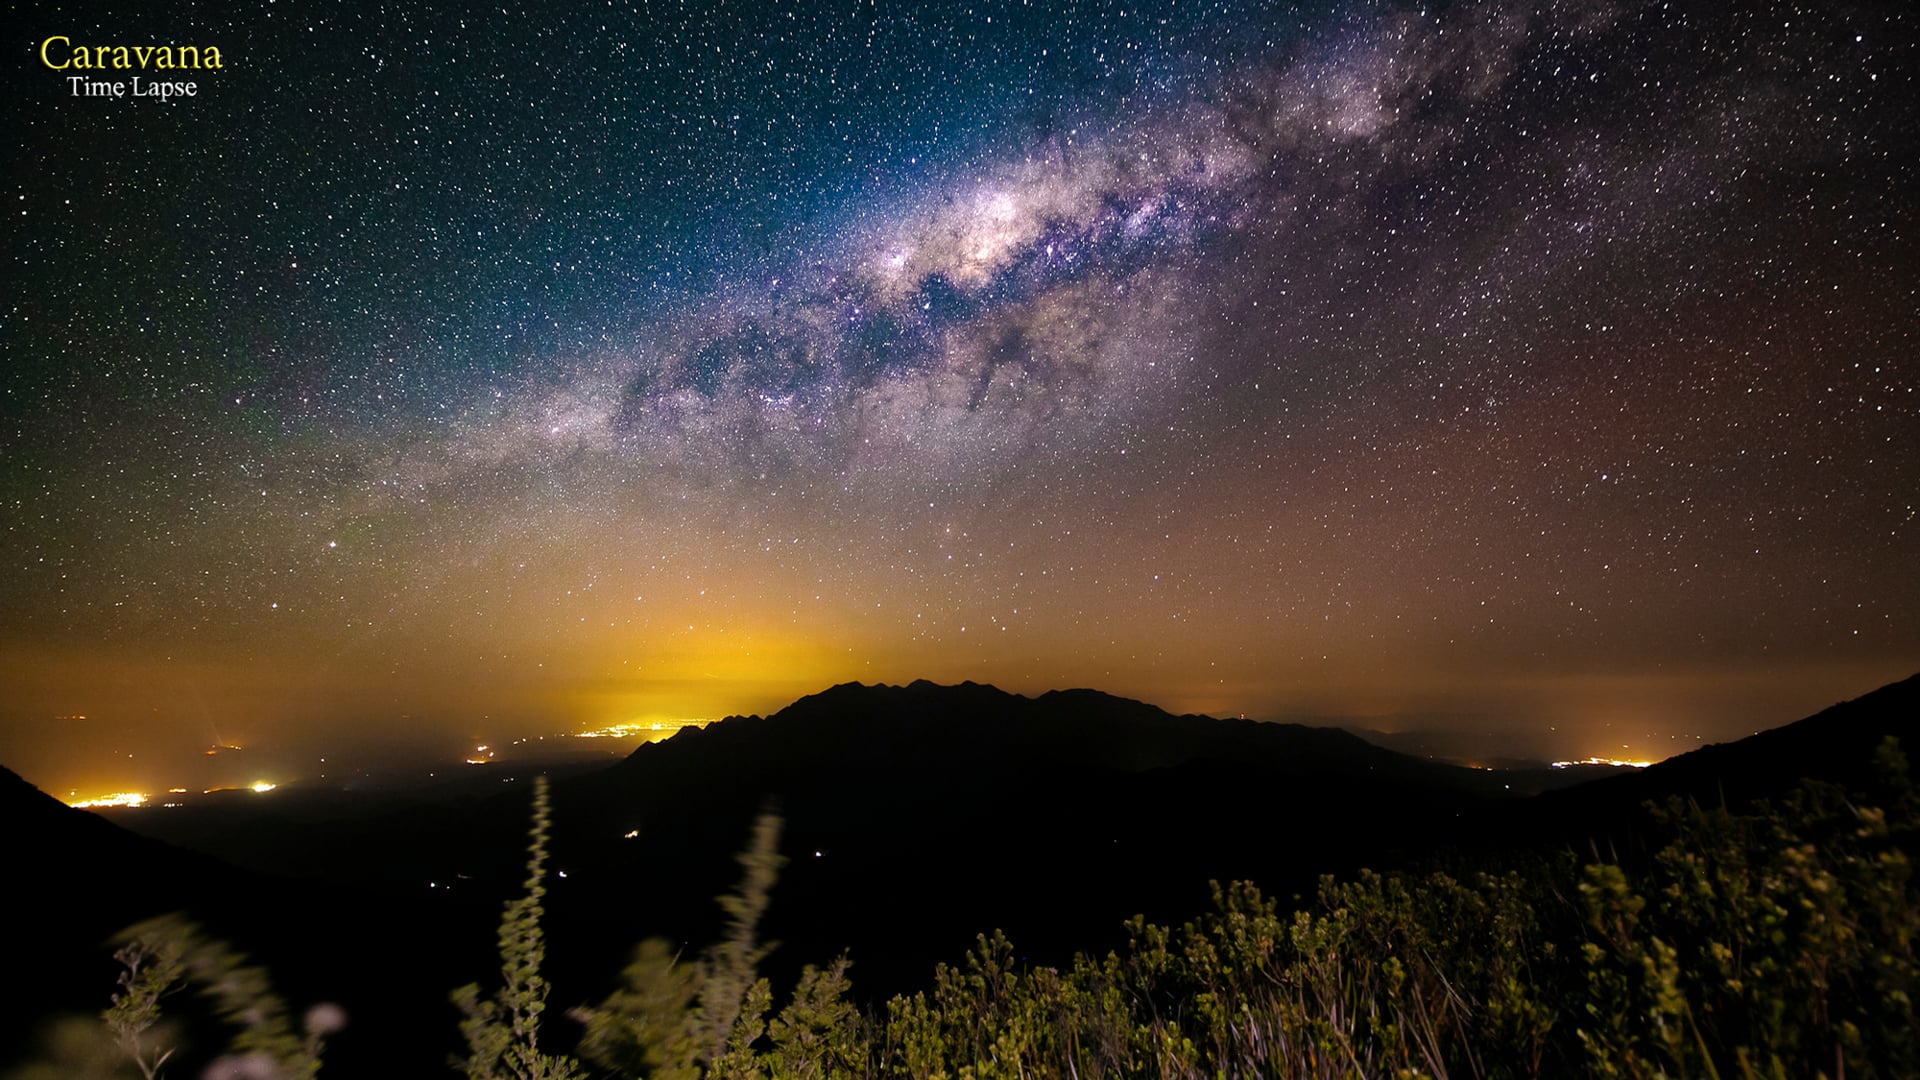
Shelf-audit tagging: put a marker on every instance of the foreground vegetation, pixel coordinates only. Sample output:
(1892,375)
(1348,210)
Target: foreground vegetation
(1775,943)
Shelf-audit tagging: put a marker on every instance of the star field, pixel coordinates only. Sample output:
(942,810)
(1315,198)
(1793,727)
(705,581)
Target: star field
(437,374)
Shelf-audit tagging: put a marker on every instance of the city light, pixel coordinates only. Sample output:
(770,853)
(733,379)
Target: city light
(641,728)
(118,798)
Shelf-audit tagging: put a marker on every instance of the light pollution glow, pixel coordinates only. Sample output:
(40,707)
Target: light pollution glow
(118,798)
(649,730)
(141,798)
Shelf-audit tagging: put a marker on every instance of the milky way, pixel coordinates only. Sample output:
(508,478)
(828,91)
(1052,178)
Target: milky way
(435,376)
(1056,289)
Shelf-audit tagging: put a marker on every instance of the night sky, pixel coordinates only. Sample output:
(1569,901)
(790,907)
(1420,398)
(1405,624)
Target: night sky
(440,374)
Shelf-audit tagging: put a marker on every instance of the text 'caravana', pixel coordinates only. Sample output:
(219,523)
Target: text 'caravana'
(60,53)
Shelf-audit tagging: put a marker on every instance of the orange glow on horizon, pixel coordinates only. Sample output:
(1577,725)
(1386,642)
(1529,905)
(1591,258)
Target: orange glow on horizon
(118,798)
(258,787)
(650,730)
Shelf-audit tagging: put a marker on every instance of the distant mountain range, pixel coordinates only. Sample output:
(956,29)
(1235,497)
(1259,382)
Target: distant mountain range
(915,816)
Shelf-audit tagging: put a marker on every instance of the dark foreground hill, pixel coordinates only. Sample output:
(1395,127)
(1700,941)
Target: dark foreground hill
(70,877)
(918,816)
(1836,744)
(915,818)
(75,880)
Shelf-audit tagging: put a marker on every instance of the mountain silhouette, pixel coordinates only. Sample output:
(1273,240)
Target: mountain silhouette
(915,817)
(1837,745)
(77,880)
(921,815)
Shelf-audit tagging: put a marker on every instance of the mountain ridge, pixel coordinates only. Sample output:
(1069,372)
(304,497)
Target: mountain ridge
(1078,725)
(916,817)
(1836,744)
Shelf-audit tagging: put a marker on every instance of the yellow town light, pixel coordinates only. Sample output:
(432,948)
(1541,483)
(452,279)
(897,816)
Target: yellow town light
(118,798)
